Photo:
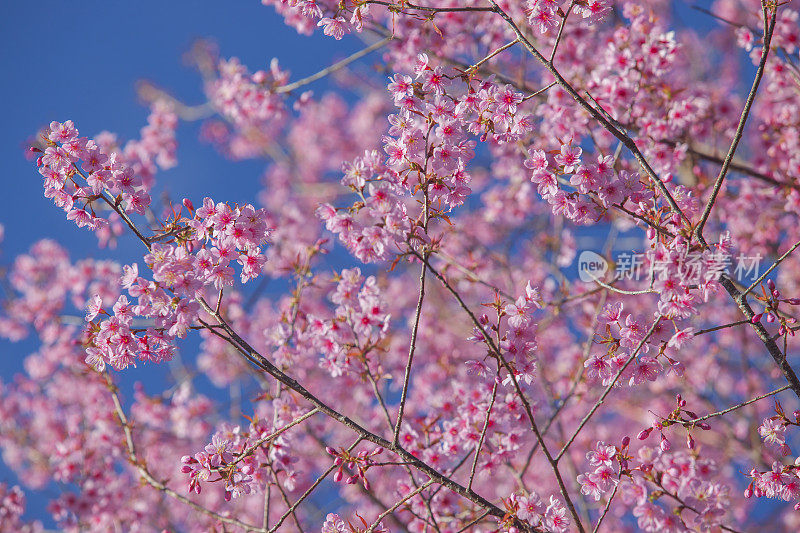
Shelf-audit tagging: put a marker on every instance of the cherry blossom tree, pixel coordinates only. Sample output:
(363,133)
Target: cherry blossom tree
(443,353)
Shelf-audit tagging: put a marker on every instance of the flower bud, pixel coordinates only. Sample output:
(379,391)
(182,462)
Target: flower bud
(756,318)
(626,440)
(188,204)
(644,433)
(748,492)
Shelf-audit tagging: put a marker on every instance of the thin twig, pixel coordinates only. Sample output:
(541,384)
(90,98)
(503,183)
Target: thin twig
(560,31)
(606,508)
(483,436)
(729,409)
(770,27)
(333,68)
(411,348)
(394,507)
(724,326)
(145,473)
(610,386)
(770,269)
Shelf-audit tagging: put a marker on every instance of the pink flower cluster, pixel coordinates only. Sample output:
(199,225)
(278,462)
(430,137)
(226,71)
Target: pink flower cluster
(335,524)
(605,462)
(246,461)
(782,482)
(357,463)
(531,509)
(622,337)
(221,234)
(427,151)
(249,103)
(517,341)
(76,188)
(12,507)
(355,331)
(599,179)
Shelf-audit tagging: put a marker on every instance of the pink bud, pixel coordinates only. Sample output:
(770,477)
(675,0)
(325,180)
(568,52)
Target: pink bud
(665,445)
(625,441)
(770,317)
(337,477)
(756,318)
(771,284)
(703,426)
(644,433)
(689,441)
(330,450)
(748,492)
(188,204)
